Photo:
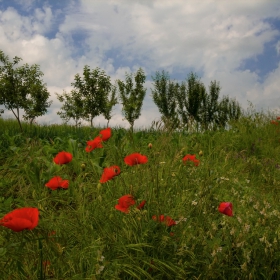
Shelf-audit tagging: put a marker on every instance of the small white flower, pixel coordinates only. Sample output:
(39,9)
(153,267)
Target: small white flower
(223,178)
(194,202)
(100,269)
(246,227)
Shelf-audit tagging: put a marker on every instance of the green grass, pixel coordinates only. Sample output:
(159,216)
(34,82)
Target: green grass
(93,240)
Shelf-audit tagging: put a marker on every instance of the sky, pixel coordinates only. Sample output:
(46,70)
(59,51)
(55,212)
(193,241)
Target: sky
(236,43)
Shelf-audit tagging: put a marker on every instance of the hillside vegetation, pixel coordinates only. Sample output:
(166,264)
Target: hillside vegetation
(163,218)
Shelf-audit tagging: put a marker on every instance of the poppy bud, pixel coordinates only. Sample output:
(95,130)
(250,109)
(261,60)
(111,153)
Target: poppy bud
(83,166)
(200,153)
(150,145)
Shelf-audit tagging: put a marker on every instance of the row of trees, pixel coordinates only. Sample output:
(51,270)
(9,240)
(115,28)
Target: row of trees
(95,95)
(182,105)
(189,104)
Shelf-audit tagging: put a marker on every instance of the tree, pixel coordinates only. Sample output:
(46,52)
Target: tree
(164,96)
(210,106)
(189,99)
(132,98)
(73,107)
(111,100)
(94,88)
(22,88)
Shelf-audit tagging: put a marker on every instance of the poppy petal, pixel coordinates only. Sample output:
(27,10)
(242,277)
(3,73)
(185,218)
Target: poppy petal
(135,158)
(109,173)
(63,158)
(226,208)
(20,219)
(105,134)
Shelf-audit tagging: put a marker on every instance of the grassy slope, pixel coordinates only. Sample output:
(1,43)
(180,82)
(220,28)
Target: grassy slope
(93,240)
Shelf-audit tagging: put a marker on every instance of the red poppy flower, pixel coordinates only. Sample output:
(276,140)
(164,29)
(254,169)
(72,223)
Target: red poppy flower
(141,205)
(57,182)
(278,118)
(124,203)
(46,264)
(93,144)
(191,158)
(226,208)
(109,173)
(135,158)
(105,134)
(274,122)
(167,220)
(20,219)
(62,158)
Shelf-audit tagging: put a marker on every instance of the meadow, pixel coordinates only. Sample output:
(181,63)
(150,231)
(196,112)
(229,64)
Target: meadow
(87,231)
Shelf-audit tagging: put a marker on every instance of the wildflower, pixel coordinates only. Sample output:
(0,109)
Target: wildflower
(63,158)
(46,264)
(191,158)
(21,218)
(141,205)
(135,158)
(100,269)
(274,122)
(124,203)
(105,134)
(226,208)
(93,144)
(57,182)
(109,173)
(167,220)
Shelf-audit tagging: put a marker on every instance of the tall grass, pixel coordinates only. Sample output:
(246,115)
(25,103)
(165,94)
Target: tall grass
(81,235)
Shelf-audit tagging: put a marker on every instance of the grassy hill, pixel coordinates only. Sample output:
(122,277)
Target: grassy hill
(82,235)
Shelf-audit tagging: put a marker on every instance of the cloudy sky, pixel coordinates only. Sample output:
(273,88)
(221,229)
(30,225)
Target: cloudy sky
(234,42)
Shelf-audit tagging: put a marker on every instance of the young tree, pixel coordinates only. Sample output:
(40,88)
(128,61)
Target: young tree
(189,99)
(210,106)
(111,100)
(22,88)
(95,86)
(228,109)
(132,98)
(73,107)
(164,96)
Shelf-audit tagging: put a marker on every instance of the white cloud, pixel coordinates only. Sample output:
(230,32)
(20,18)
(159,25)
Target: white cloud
(211,37)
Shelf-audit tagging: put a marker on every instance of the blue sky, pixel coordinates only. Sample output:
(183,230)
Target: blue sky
(234,42)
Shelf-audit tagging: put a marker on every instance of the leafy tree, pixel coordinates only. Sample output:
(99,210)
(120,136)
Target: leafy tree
(111,100)
(132,98)
(22,88)
(228,109)
(209,107)
(189,99)
(164,96)
(94,87)
(73,107)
